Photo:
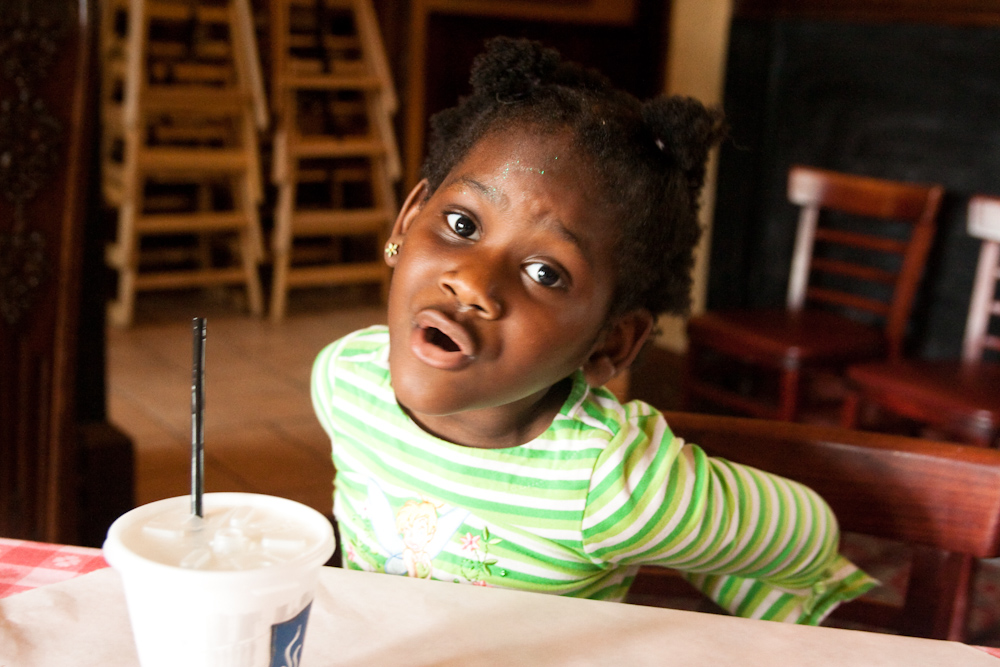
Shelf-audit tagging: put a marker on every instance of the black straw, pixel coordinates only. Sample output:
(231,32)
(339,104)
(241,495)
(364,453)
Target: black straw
(200,331)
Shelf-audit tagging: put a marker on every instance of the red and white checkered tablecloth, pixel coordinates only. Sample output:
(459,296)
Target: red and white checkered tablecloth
(26,565)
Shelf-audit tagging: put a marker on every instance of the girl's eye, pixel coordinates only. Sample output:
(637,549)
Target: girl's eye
(462,225)
(543,274)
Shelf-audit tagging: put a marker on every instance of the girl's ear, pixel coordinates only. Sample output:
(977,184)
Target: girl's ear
(407,214)
(618,347)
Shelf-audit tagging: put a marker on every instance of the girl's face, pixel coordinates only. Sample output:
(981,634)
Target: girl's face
(501,289)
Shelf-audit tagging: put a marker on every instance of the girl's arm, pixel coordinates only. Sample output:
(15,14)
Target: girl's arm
(759,545)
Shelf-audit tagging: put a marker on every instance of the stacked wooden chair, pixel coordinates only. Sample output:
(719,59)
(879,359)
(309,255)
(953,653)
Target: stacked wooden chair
(959,398)
(859,256)
(335,155)
(182,102)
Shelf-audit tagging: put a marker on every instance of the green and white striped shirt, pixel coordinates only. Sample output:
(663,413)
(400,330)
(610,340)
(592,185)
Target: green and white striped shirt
(575,511)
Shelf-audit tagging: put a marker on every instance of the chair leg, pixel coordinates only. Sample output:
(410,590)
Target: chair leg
(687,375)
(789,395)
(849,409)
(938,595)
(281,243)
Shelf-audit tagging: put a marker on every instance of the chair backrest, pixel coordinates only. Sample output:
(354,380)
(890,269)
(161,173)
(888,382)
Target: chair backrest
(983,223)
(931,494)
(872,198)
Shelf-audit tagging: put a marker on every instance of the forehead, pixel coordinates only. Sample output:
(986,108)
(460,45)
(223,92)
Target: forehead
(517,149)
(543,171)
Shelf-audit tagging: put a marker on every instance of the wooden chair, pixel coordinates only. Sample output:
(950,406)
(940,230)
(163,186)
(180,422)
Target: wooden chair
(837,293)
(335,161)
(182,102)
(960,398)
(941,498)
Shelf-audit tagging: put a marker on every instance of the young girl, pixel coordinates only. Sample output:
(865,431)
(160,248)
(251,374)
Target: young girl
(472,441)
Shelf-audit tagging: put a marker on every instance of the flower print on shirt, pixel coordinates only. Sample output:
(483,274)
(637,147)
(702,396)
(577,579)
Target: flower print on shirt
(476,549)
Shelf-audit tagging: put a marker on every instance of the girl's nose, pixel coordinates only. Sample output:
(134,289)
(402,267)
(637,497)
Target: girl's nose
(473,289)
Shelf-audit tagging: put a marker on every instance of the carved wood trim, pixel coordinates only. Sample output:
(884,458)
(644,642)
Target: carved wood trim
(950,12)
(30,140)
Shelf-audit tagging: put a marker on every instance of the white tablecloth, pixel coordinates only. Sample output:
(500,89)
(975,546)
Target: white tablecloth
(380,621)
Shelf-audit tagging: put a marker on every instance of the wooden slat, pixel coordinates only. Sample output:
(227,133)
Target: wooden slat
(859,271)
(202,72)
(197,278)
(196,160)
(331,42)
(192,98)
(310,146)
(846,299)
(175,223)
(861,240)
(214,50)
(858,194)
(182,11)
(309,4)
(172,134)
(339,67)
(342,175)
(337,274)
(339,221)
(328,82)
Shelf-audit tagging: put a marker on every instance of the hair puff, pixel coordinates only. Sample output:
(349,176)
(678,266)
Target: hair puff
(510,68)
(685,131)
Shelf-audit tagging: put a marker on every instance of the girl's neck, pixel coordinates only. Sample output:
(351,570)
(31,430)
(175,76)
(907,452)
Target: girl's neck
(498,427)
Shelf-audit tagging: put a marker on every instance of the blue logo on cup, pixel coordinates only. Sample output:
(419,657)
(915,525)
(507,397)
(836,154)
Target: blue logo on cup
(287,639)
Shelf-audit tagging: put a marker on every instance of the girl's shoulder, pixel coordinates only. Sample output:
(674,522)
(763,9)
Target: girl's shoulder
(364,344)
(361,353)
(595,412)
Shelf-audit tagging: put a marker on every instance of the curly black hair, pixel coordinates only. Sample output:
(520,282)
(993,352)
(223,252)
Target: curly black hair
(651,156)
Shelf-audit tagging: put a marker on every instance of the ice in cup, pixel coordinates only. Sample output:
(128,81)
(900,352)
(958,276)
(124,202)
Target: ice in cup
(232,589)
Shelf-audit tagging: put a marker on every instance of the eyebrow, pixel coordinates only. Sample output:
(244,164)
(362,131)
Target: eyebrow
(496,196)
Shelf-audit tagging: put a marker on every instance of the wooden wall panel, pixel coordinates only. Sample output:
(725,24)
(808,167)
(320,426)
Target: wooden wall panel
(45,132)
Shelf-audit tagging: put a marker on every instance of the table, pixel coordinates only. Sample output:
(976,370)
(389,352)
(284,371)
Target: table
(373,619)
(27,565)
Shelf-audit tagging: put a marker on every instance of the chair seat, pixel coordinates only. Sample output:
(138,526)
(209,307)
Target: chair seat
(787,339)
(946,393)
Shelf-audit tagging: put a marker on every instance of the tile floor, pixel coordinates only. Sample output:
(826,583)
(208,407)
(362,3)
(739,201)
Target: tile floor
(260,432)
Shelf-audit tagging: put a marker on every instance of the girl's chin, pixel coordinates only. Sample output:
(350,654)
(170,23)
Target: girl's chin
(419,407)
(418,397)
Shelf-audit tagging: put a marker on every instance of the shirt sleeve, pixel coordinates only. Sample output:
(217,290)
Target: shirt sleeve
(323,380)
(759,545)
(321,386)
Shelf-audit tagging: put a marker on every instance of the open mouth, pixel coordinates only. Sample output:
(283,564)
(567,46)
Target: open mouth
(440,341)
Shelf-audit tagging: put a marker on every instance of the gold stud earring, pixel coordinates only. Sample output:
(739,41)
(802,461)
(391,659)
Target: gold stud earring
(391,249)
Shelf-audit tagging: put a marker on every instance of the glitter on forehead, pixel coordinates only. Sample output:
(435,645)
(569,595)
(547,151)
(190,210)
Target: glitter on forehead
(505,171)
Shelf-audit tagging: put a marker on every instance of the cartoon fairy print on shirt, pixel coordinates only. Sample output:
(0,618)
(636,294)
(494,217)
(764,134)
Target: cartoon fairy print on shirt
(412,535)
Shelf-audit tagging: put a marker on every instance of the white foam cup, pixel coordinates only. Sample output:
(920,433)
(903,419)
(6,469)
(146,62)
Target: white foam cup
(233,590)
